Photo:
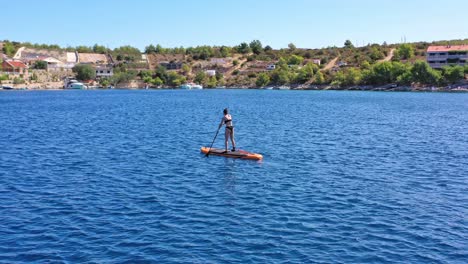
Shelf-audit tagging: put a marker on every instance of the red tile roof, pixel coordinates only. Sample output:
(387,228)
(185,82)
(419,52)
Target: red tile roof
(17,64)
(447,48)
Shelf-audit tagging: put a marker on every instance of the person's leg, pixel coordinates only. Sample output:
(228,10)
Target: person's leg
(226,138)
(232,140)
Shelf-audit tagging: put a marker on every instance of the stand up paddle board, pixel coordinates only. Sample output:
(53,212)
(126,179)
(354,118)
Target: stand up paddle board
(238,154)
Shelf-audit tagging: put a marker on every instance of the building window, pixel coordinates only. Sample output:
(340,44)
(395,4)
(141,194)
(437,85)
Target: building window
(442,54)
(108,71)
(432,54)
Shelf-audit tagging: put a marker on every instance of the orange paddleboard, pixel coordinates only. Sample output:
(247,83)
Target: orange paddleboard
(238,154)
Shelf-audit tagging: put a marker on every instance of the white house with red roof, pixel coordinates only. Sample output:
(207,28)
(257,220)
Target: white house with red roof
(15,67)
(440,56)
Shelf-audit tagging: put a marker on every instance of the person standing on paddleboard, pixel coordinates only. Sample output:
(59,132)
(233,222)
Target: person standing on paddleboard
(229,131)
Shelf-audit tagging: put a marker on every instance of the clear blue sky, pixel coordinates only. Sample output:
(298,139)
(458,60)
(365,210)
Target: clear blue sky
(171,23)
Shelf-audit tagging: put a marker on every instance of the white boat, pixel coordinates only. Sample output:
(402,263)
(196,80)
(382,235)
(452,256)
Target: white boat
(197,87)
(74,84)
(283,87)
(190,86)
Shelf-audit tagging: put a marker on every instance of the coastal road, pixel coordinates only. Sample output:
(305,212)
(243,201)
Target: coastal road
(238,66)
(389,56)
(330,64)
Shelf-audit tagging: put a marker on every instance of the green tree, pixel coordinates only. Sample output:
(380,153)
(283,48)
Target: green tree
(212,82)
(174,79)
(157,81)
(353,76)
(40,65)
(319,78)
(404,51)
(99,49)
(295,60)
(84,49)
(267,48)
(159,49)
(291,47)
(243,48)
(161,73)
(128,53)
(422,73)
(148,79)
(84,72)
(256,46)
(225,51)
(262,80)
(9,49)
(365,65)
(384,72)
(307,72)
(453,74)
(150,49)
(145,73)
(186,69)
(348,44)
(105,82)
(376,54)
(200,77)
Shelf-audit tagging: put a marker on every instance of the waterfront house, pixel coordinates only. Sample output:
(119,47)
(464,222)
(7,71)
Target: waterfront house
(171,65)
(15,67)
(440,56)
(316,61)
(271,67)
(210,72)
(219,61)
(71,57)
(104,71)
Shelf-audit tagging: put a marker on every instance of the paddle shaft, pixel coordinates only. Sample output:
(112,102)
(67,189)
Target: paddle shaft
(217,131)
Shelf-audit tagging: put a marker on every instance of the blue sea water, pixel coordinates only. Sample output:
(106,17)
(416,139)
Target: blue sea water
(347,177)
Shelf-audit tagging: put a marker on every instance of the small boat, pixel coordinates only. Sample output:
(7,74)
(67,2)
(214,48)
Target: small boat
(197,87)
(185,86)
(238,154)
(190,86)
(5,87)
(74,84)
(220,87)
(283,87)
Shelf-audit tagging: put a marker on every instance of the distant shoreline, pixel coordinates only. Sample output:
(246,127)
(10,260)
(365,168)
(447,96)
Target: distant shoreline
(463,89)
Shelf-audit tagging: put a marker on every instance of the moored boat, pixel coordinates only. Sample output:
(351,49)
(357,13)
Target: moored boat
(73,84)
(190,86)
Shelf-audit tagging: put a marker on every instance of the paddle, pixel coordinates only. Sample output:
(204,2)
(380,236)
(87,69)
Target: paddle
(208,153)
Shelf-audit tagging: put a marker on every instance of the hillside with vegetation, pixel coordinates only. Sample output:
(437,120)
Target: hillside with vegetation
(245,65)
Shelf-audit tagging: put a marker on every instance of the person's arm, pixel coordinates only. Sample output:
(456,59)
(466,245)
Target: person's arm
(221,124)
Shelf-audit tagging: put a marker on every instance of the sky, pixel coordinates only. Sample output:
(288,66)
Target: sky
(175,23)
